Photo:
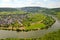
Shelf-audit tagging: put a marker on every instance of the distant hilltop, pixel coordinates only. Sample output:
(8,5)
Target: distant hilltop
(30,9)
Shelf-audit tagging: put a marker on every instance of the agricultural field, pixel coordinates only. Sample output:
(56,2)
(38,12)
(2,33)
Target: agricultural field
(27,21)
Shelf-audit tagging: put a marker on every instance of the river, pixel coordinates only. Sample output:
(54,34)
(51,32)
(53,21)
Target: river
(29,34)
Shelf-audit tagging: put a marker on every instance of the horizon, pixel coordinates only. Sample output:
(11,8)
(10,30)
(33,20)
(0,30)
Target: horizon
(29,3)
(29,6)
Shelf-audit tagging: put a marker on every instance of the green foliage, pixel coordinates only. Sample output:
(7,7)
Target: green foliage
(13,12)
(58,15)
(36,26)
(52,36)
(48,20)
(36,17)
(37,21)
(30,20)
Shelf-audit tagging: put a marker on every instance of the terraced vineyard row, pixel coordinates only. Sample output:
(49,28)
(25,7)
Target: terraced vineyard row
(28,21)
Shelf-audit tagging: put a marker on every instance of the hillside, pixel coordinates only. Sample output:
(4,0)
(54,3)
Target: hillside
(30,18)
(24,10)
(8,9)
(27,17)
(40,10)
(32,9)
(53,11)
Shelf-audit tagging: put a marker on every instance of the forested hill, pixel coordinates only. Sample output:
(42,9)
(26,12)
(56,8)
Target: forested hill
(32,9)
(8,9)
(39,9)
(26,9)
(56,9)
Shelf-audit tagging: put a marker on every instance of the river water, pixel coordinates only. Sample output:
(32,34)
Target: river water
(29,34)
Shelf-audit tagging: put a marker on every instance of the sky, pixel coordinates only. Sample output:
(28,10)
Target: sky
(27,3)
